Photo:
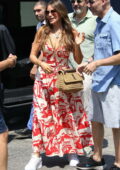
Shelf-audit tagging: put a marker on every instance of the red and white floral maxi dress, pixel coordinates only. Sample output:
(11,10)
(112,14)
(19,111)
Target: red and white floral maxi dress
(60,123)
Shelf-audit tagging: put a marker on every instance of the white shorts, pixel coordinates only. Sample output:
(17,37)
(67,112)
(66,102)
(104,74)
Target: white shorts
(86,93)
(105,107)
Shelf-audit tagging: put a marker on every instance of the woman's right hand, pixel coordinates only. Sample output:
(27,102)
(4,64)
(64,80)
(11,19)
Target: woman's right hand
(46,67)
(33,72)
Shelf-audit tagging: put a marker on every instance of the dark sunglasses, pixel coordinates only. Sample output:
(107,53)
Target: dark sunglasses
(52,12)
(90,1)
(78,1)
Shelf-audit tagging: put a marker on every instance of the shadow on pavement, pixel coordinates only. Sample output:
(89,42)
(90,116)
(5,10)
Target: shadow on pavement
(105,143)
(13,136)
(109,159)
(50,162)
(61,162)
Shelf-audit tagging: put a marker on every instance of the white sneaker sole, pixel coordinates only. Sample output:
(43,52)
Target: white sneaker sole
(39,165)
(73,163)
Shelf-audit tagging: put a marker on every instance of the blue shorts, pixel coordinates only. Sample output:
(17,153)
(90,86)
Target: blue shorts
(3,127)
(30,121)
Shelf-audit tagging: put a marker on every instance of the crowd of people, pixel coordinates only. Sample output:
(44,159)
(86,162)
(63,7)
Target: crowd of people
(70,123)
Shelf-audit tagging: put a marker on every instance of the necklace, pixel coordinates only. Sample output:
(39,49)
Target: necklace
(57,35)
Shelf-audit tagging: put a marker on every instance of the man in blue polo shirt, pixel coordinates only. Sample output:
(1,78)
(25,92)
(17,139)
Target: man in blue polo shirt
(105,104)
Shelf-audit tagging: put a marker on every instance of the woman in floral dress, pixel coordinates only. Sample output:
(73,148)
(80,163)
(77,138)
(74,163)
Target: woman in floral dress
(60,123)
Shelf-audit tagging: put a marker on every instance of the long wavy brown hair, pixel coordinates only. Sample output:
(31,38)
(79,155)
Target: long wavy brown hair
(67,34)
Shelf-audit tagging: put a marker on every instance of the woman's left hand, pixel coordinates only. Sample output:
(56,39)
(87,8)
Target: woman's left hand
(79,38)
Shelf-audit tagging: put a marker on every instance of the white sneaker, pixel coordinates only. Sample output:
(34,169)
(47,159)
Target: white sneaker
(34,163)
(73,159)
(73,162)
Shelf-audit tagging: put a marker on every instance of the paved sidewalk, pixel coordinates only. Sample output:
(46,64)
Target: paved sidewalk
(20,151)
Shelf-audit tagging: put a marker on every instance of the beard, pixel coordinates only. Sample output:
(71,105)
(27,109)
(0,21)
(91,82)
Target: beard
(78,11)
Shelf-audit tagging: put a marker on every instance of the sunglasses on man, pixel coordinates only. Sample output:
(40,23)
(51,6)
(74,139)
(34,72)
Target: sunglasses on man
(80,1)
(91,1)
